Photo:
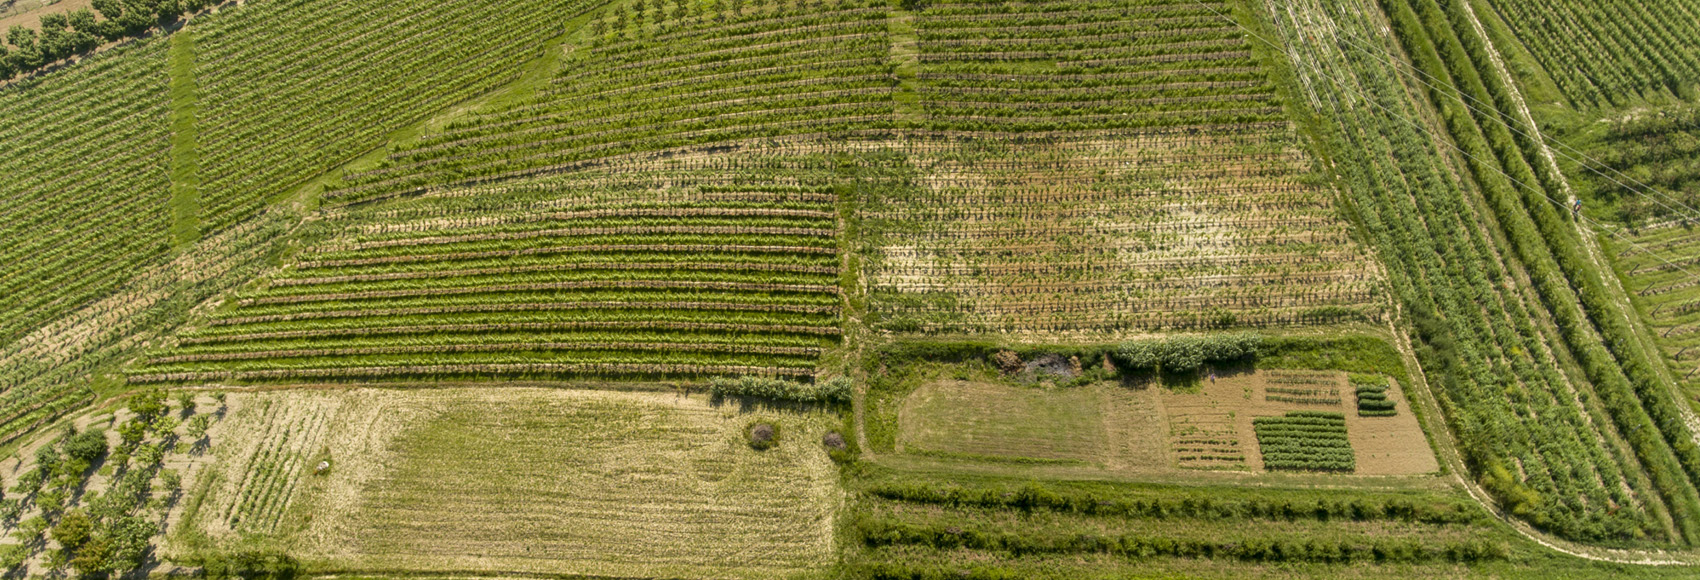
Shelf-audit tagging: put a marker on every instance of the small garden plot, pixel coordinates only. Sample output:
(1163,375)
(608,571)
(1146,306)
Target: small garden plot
(1371,391)
(1305,441)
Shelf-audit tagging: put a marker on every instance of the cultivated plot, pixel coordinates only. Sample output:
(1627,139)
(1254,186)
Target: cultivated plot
(1150,429)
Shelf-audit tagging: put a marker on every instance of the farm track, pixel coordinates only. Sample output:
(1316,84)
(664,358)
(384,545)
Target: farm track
(1602,264)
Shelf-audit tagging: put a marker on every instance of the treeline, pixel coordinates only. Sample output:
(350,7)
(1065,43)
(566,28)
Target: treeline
(1035,496)
(65,34)
(878,530)
(1188,353)
(831,391)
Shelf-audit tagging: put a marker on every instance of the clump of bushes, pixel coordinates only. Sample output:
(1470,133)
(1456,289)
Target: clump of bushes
(833,440)
(1182,354)
(763,436)
(831,391)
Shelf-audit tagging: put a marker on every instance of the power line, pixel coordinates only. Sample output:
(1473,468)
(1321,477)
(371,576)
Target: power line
(1447,142)
(1591,162)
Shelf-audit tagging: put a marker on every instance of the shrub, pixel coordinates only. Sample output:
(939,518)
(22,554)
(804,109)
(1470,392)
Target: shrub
(1187,353)
(836,390)
(835,441)
(87,446)
(763,436)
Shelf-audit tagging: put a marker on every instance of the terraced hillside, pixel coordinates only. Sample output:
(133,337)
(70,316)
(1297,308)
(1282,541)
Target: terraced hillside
(289,89)
(645,79)
(710,266)
(842,288)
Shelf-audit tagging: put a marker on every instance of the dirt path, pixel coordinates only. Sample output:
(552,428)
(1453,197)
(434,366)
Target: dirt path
(1450,455)
(1602,265)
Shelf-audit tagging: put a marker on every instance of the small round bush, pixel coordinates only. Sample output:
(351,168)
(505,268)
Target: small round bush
(763,436)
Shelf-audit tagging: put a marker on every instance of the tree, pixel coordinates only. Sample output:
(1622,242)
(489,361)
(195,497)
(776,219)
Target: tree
(186,401)
(73,530)
(133,433)
(46,458)
(149,455)
(198,426)
(164,426)
(148,405)
(87,446)
(127,543)
(12,556)
(91,559)
(28,56)
(111,9)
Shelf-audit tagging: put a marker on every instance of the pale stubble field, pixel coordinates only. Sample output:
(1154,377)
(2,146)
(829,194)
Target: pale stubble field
(516,480)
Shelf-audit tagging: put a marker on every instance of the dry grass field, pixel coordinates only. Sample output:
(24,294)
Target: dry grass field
(516,481)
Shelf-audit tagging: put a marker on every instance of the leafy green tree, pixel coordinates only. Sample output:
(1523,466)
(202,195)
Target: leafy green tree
(127,543)
(132,433)
(111,9)
(164,426)
(27,56)
(12,556)
(87,446)
(149,455)
(198,425)
(186,402)
(148,405)
(91,559)
(31,529)
(73,530)
(47,457)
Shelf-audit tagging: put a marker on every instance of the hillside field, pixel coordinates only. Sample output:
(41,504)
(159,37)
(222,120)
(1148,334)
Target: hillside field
(849,289)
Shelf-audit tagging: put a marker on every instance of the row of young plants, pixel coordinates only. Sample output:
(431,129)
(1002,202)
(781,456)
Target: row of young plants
(1490,353)
(1371,391)
(705,311)
(1173,504)
(1305,441)
(1521,188)
(1611,53)
(290,89)
(834,391)
(794,69)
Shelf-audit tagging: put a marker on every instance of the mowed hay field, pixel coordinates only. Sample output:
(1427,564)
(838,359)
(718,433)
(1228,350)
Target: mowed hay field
(1099,424)
(1148,429)
(516,481)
